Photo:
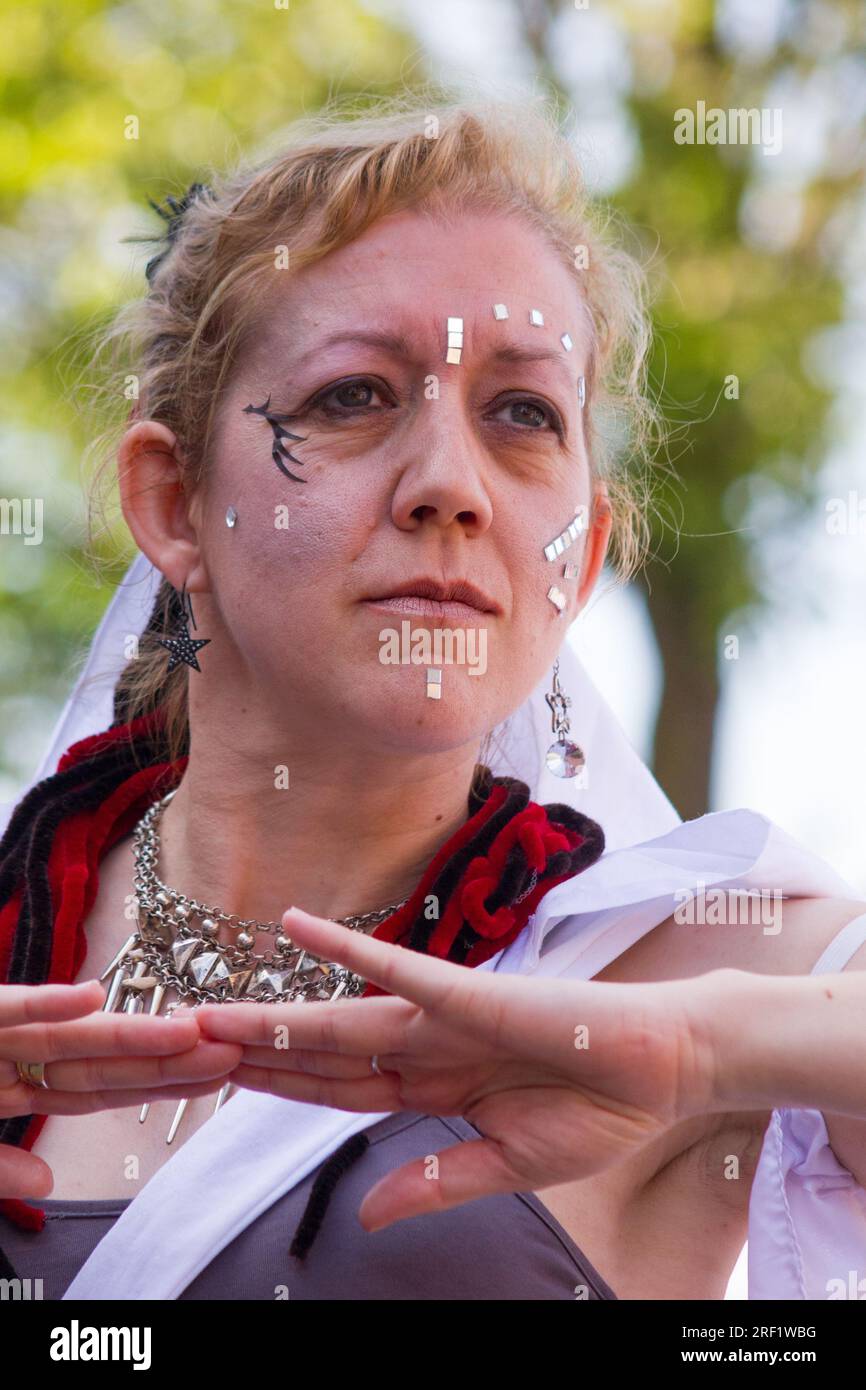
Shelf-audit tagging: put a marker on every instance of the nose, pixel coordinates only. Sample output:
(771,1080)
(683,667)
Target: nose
(443,479)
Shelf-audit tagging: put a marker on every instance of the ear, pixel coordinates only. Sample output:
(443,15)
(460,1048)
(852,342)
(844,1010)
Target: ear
(597,539)
(155,505)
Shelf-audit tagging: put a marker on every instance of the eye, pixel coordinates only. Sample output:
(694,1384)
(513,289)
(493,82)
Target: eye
(349,394)
(534,414)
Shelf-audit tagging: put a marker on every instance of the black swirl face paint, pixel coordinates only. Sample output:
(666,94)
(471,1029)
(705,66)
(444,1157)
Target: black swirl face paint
(279,451)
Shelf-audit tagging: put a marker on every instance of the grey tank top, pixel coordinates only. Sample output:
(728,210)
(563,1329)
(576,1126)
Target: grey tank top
(508,1246)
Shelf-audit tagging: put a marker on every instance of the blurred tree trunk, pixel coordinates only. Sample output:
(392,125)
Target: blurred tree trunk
(683,740)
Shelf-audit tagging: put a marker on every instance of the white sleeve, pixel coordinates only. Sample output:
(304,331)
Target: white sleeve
(807,1214)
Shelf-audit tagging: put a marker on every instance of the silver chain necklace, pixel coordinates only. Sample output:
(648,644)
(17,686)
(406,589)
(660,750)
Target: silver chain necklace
(175,946)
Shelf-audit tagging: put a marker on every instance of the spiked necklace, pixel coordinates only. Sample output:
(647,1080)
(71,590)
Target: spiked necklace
(175,947)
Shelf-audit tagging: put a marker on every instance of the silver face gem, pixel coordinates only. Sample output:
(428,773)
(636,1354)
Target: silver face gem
(536,317)
(434,684)
(455,341)
(570,571)
(231,517)
(566,342)
(554,548)
(500,311)
(581,392)
(557,597)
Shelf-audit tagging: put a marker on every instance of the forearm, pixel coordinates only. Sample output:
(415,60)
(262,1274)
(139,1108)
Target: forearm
(782,1040)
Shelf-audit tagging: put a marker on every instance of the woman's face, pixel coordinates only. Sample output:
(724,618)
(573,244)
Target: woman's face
(413,469)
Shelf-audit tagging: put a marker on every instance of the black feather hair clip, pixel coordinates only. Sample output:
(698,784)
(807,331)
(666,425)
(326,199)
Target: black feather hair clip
(173,213)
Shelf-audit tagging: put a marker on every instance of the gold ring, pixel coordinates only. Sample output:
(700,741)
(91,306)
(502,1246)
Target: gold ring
(33,1074)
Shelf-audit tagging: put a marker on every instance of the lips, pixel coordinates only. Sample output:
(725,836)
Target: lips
(427,597)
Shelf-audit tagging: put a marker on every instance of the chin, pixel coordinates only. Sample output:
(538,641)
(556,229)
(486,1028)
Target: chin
(404,717)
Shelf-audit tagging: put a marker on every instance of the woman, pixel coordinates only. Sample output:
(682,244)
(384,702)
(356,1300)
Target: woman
(372,372)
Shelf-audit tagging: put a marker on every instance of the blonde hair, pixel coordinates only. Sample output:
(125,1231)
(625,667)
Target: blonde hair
(332,176)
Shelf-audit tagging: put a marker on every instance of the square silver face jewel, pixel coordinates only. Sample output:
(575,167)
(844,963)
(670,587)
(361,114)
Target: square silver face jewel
(550,551)
(557,597)
(566,342)
(455,325)
(500,311)
(434,676)
(536,317)
(570,571)
(455,339)
(581,392)
(453,356)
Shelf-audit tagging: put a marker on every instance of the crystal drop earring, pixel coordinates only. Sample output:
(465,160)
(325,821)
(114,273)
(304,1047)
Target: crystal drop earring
(564,758)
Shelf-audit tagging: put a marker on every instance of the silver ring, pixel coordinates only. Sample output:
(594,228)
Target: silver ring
(32,1074)
(375,1064)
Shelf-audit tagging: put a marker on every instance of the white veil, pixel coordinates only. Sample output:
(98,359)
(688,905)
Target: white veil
(616,788)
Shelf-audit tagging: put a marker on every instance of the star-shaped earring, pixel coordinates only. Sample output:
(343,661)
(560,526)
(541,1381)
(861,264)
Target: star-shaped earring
(183,648)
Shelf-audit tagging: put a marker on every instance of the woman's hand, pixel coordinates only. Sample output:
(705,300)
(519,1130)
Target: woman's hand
(563,1078)
(94,1061)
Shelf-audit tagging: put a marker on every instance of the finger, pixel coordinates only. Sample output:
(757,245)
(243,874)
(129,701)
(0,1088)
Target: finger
(434,984)
(312,1063)
(99,1035)
(377,1093)
(23,1174)
(21,1004)
(460,1174)
(200,1063)
(37,1101)
(501,1009)
(353,1027)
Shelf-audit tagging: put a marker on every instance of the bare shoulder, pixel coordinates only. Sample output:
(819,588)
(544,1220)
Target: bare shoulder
(781,936)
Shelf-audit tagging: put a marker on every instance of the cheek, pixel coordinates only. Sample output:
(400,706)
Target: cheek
(290,551)
(533,575)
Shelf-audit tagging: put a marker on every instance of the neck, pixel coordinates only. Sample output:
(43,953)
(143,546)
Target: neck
(351,832)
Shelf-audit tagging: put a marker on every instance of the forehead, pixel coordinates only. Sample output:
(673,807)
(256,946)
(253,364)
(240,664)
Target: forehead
(410,272)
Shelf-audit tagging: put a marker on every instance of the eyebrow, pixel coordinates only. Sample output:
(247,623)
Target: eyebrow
(399,346)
